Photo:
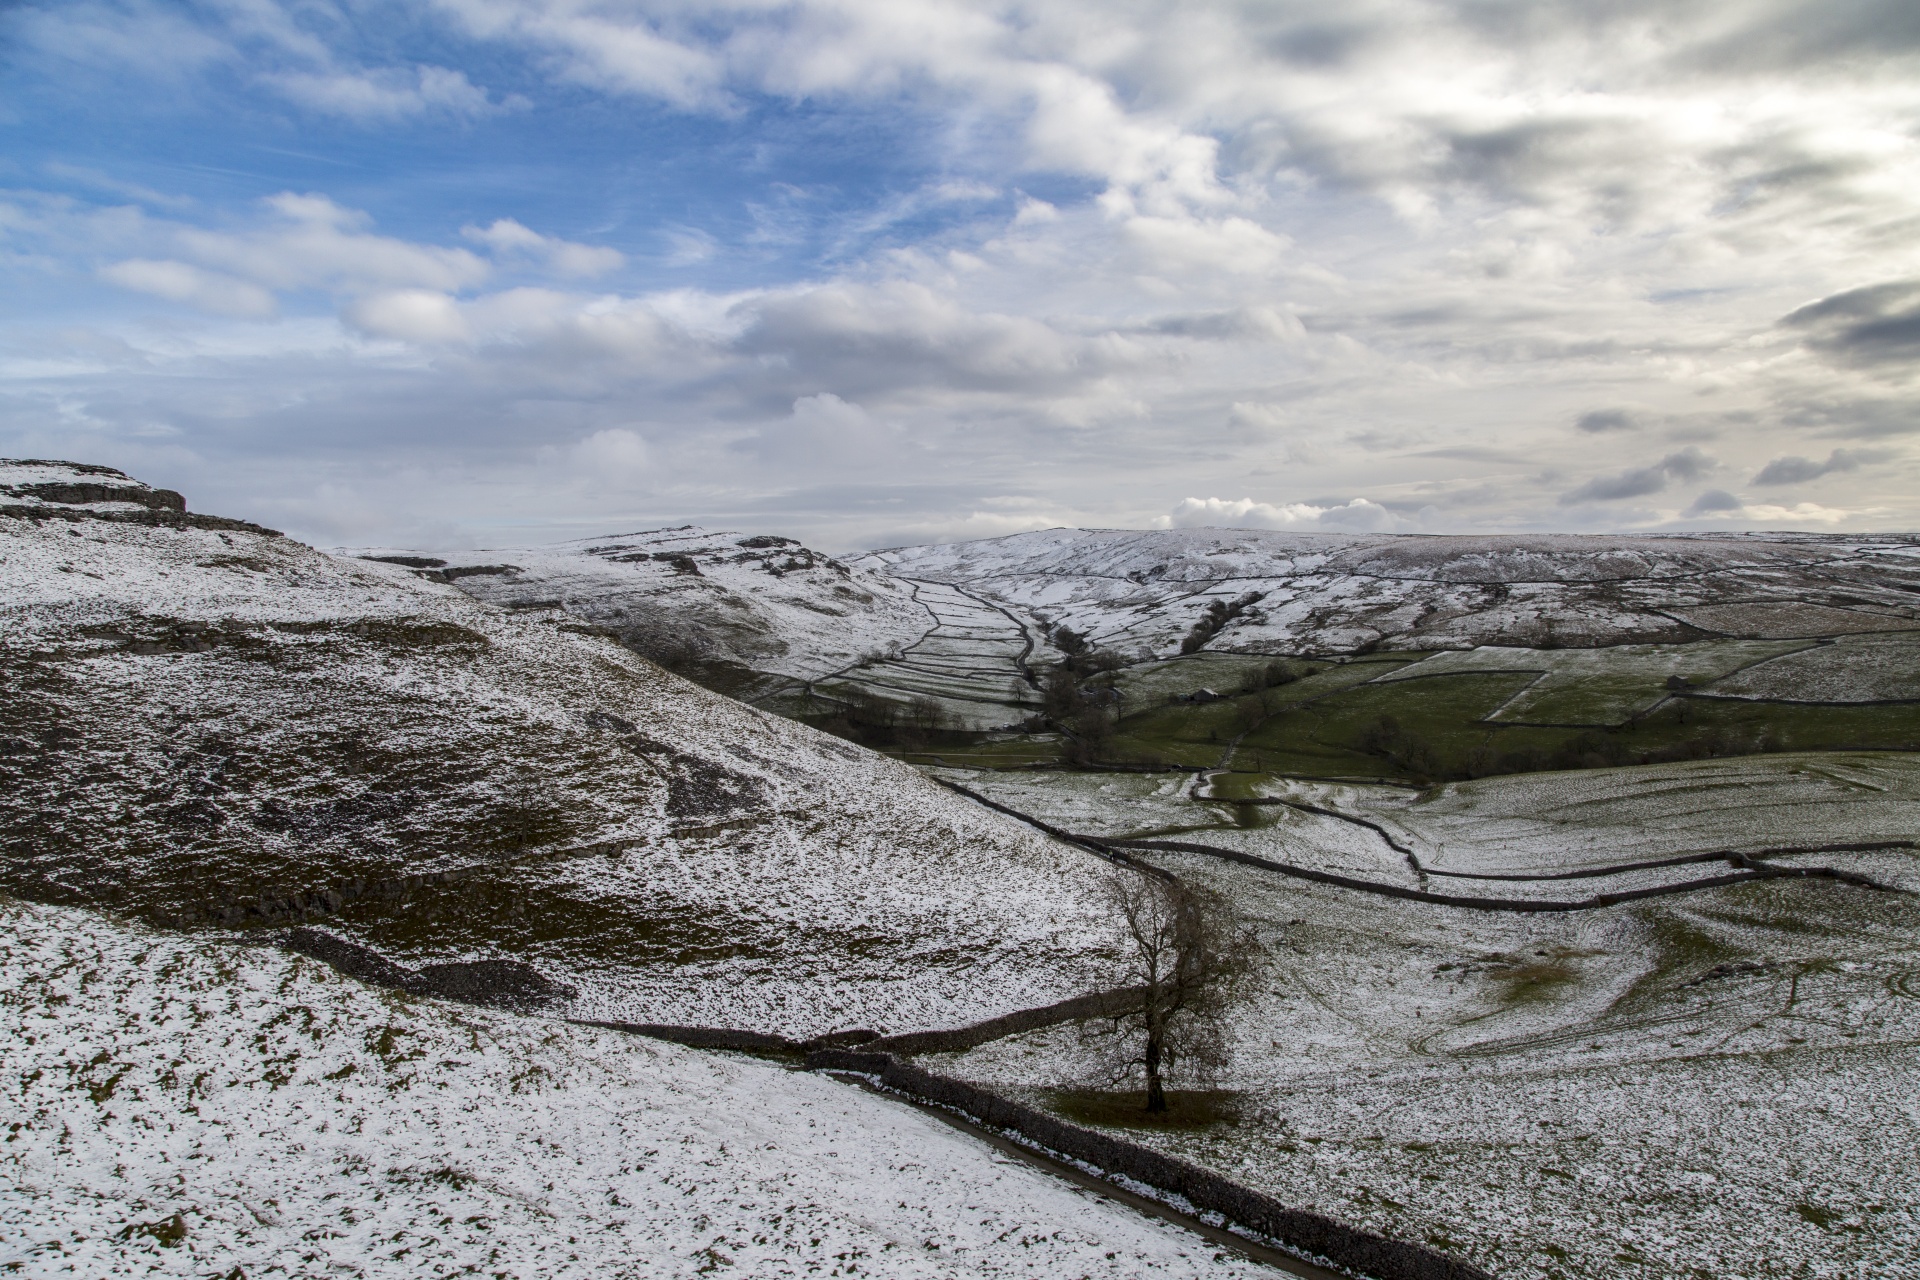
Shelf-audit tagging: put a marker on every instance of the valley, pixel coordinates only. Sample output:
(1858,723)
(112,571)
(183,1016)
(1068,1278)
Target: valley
(1578,877)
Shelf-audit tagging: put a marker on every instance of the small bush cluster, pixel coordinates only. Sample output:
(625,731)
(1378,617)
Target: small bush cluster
(865,717)
(1219,613)
(1082,657)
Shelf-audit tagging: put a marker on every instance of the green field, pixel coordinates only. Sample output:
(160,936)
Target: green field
(1600,686)
(1421,718)
(1436,728)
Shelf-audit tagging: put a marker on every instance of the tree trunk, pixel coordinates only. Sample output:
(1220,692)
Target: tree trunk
(1156,1096)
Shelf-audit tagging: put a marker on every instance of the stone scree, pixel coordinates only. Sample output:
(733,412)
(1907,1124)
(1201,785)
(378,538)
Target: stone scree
(1348,1248)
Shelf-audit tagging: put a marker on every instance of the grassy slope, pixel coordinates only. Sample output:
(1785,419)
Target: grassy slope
(1319,726)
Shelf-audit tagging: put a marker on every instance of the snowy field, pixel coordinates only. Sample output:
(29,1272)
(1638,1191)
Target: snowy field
(184,1108)
(1542,823)
(970,664)
(1856,668)
(1713,1085)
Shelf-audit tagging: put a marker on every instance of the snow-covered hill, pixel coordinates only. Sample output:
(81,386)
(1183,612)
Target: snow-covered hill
(178,1107)
(692,597)
(1141,593)
(208,724)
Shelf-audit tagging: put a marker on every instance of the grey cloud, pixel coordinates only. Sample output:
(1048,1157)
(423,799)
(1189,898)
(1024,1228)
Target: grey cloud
(1473,453)
(1635,483)
(1713,500)
(1257,324)
(1595,421)
(1875,324)
(1733,37)
(1873,412)
(1791,469)
(1638,482)
(1321,44)
(1790,37)
(1519,158)
(1688,464)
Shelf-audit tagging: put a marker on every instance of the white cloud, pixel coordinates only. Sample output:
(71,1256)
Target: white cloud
(564,257)
(1357,516)
(1802,513)
(1235,245)
(312,242)
(615,453)
(1035,211)
(1720,507)
(386,93)
(824,434)
(182,282)
(411,315)
(609,49)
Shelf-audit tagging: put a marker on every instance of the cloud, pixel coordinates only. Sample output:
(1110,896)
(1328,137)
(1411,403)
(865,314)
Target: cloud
(1805,513)
(1872,325)
(826,434)
(309,241)
(1236,245)
(614,454)
(1724,508)
(565,257)
(390,287)
(1596,421)
(1639,482)
(384,94)
(1791,469)
(411,315)
(859,339)
(621,53)
(1106,255)
(1358,515)
(183,282)
(1245,324)
(1712,502)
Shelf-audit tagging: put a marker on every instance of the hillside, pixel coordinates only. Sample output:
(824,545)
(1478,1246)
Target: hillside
(206,724)
(181,1107)
(1142,593)
(724,606)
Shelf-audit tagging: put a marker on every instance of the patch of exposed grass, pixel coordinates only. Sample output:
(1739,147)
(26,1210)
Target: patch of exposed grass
(1187,1109)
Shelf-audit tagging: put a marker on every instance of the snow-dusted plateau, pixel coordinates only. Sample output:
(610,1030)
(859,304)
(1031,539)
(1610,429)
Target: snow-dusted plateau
(1581,873)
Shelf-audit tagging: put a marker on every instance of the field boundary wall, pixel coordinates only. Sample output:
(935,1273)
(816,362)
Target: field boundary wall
(1312,1236)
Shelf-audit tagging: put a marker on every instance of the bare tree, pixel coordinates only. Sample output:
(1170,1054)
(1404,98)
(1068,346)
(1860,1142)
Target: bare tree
(1188,953)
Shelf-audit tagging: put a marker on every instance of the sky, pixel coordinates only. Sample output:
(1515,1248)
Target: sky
(455,273)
